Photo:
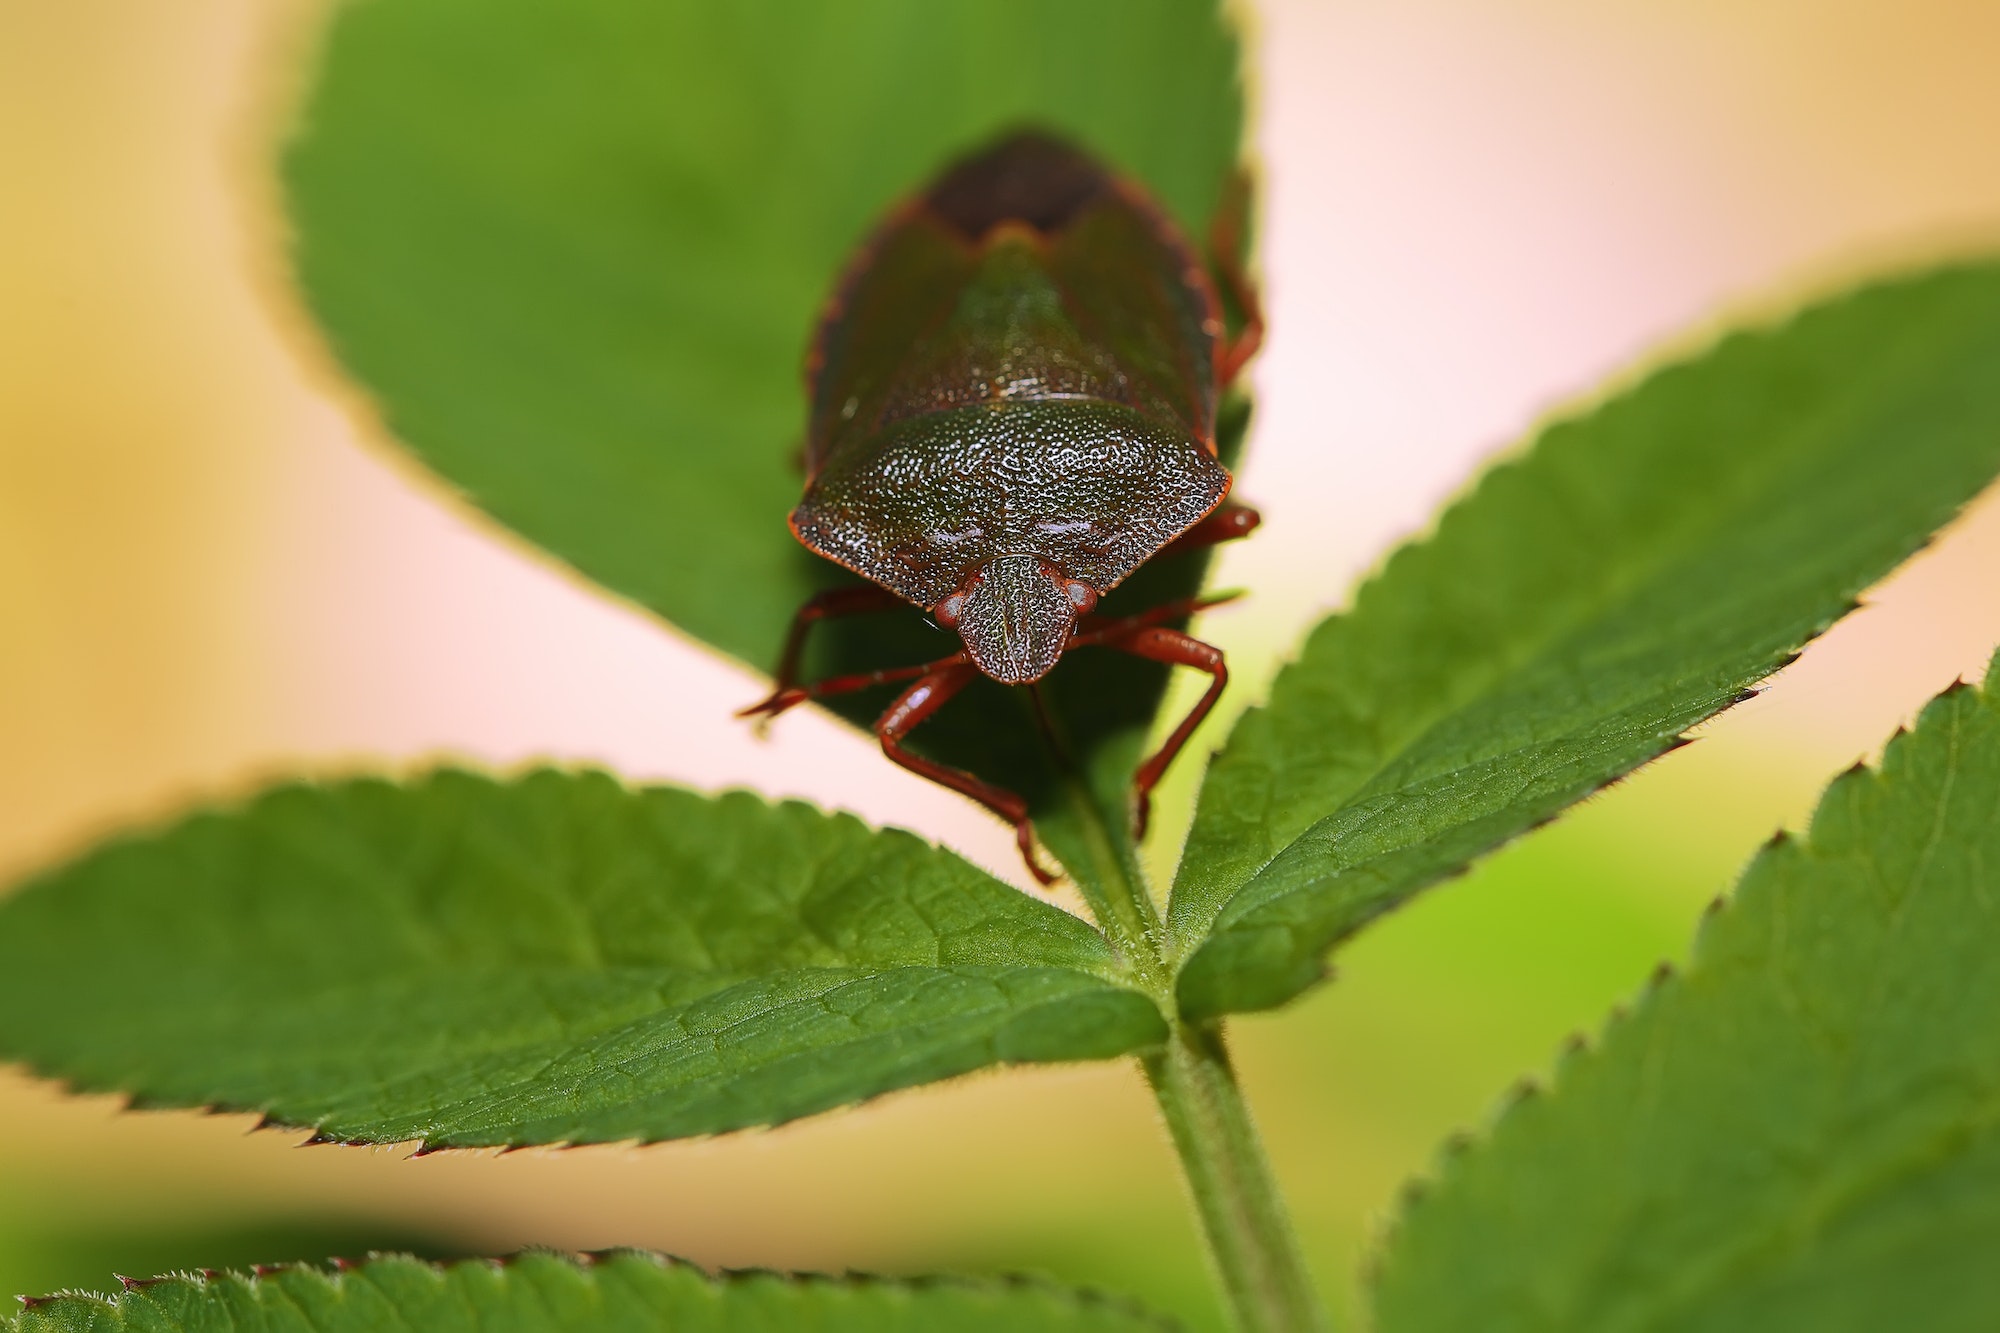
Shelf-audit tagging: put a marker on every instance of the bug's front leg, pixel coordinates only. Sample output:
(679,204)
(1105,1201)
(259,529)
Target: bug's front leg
(793,695)
(1158,643)
(827,605)
(939,683)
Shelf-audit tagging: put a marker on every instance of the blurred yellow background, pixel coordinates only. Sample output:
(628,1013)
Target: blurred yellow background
(211,570)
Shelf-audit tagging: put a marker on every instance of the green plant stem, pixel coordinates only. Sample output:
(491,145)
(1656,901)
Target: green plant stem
(1250,1239)
(1112,887)
(1251,1245)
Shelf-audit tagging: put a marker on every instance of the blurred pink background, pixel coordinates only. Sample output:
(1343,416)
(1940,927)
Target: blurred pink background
(212,569)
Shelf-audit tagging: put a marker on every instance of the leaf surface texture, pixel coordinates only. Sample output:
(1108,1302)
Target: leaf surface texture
(1630,575)
(553,959)
(1802,1131)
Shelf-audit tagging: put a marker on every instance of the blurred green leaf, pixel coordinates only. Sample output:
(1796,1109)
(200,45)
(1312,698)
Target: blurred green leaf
(1800,1133)
(575,249)
(1576,613)
(534,1292)
(557,959)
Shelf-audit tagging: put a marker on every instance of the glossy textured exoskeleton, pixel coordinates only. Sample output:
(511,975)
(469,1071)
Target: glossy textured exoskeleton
(1013,406)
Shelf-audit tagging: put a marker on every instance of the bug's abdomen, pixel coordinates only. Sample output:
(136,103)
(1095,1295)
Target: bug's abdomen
(1031,178)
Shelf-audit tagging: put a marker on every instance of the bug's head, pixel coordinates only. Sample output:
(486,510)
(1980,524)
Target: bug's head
(1015,615)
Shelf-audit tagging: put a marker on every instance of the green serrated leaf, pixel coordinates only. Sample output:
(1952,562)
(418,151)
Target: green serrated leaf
(1800,1133)
(556,959)
(45,1245)
(620,1292)
(576,249)
(1585,605)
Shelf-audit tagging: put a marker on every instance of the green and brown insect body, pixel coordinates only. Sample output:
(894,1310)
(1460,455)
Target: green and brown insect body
(1014,393)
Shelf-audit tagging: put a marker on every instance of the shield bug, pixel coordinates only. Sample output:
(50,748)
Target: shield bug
(1013,397)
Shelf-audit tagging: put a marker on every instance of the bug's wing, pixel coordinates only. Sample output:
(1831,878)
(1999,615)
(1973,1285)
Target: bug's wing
(899,287)
(1134,289)
(1026,271)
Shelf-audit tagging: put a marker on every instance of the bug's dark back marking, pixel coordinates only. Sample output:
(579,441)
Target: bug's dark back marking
(1028,177)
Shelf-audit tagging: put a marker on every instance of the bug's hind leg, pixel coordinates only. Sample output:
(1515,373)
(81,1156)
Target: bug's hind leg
(1225,249)
(939,683)
(1158,643)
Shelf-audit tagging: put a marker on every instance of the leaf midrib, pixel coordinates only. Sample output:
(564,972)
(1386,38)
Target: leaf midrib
(695,1089)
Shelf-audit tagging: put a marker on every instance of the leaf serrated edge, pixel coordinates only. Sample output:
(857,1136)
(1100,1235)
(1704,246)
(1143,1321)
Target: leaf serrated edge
(1644,381)
(1678,741)
(318,1137)
(236,804)
(1577,1051)
(334,1271)
(235,799)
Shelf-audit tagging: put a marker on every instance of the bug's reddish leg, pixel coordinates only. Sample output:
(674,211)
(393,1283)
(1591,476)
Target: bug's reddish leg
(940,682)
(1229,522)
(820,606)
(1157,643)
(793,695)
(1225,247)
(1093,631)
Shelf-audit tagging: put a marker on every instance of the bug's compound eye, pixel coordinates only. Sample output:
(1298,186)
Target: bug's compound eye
(1081,595)
(949,610)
